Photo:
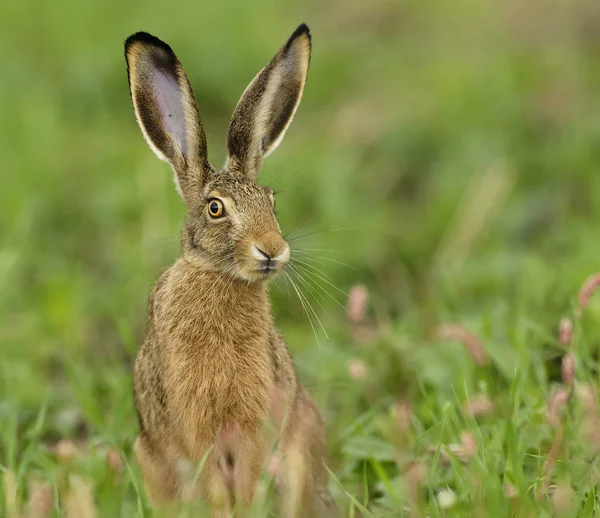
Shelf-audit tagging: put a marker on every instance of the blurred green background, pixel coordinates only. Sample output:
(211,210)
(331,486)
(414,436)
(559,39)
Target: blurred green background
(446,152)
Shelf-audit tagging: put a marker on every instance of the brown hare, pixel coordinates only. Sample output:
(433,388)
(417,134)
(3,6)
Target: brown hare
(213,369)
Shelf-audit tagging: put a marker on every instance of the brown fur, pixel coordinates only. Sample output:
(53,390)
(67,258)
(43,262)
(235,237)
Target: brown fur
(214,381)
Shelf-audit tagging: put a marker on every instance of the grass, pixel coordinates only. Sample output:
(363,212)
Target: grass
(446,151)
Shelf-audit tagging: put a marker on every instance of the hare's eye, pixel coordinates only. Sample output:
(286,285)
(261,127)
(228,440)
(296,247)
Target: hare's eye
(215,208)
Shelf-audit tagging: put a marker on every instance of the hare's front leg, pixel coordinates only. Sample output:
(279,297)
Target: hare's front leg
(300,495)
(161,483)
(248,468)
(302,477)
(291,481)
(234,468)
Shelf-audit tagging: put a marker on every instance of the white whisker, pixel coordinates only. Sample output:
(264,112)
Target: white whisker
(304,307)
(314,277)
(306,256)
(311,289)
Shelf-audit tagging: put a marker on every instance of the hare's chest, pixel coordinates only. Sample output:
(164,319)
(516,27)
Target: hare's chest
(229,386)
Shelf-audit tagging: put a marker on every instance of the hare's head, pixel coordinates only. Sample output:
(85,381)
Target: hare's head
(230,225)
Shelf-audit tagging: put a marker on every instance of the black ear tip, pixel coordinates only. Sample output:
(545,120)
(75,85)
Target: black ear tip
(146,39)
(301,30)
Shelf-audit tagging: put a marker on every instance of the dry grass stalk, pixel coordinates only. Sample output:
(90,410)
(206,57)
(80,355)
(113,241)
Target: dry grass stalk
(9,482)
(471,341)
(402,414)
(40,500)
(414,477)
(562,498)
(480,203)
(80,500)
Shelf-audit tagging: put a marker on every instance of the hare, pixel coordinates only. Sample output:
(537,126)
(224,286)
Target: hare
(213,369)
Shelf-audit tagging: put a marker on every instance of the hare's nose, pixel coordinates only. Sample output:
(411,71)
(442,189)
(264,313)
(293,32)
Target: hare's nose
(270,253)
(284,254)
(260,254)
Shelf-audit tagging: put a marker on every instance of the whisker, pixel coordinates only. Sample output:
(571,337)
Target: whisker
(309,305)
(320,277)
(281,280)
(314,313)
(295,238)
(316,259)
(295,228)
(306,305)
(320,273)
(279,177)
(317,232)
(307,250)
(311,289)
(287,275)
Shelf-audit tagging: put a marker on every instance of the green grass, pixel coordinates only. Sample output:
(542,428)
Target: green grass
(446,151)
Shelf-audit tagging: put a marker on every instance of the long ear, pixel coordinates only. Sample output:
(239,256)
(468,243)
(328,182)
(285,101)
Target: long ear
(268,105)
(166,110)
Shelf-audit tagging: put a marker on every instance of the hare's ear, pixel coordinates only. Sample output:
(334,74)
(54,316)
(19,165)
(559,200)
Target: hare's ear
(268,105)
(166,110)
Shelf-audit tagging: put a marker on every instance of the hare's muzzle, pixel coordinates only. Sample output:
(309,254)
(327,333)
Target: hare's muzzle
(271,252)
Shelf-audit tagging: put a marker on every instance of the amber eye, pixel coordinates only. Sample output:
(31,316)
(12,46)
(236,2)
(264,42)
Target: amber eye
(215,208)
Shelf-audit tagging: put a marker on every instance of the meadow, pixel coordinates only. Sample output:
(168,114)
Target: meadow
(444,171)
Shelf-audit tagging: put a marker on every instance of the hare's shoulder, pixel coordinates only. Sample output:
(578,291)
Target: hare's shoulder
(155,292)
(175,293)
(286,376)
